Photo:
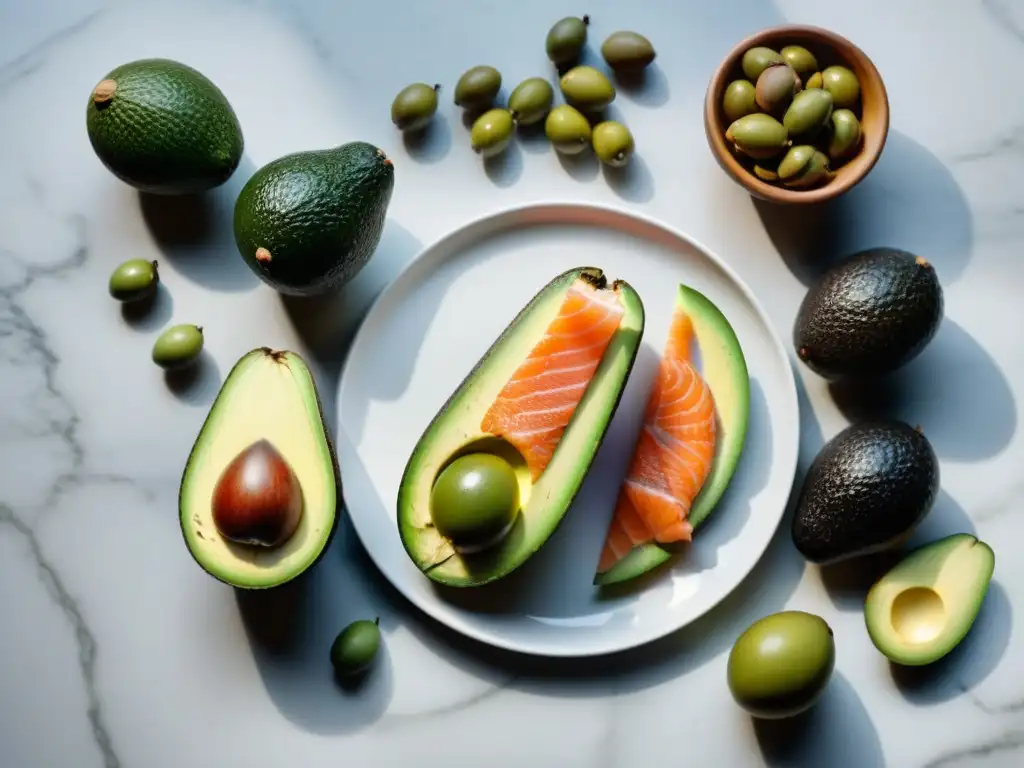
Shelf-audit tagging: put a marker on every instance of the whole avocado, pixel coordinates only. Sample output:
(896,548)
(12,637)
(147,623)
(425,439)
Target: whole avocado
(867,488)
(162,127)
(869,315)
(308,222)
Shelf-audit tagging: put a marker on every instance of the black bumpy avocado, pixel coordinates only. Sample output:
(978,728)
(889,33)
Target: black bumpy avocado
(868,487)
(869,315)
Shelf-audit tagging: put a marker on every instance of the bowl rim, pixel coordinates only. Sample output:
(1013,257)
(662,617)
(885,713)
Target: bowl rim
(715,132)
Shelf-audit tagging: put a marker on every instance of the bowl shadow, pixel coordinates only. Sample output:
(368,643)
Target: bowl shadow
(910,200)
(195,233)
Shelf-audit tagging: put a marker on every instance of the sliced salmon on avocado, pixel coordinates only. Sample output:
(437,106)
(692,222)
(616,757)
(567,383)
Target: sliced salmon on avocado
(535,406)
(693,432)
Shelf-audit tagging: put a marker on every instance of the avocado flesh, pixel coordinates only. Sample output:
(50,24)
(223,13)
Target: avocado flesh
(724,368)
(456,430)
(267,395)
(921,609)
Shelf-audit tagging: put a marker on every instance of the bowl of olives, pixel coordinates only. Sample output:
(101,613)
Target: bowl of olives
(796,114)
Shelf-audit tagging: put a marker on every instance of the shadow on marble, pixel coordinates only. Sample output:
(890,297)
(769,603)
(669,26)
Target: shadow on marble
(198,384)
(836,732)
(847,582)
(582,167)
(149,314)
(954,389)
(505,169)
(327,323)
(633,182)
(967,665)
(910,200)
(532,139)
(196,235)
(648,88)
(431,144)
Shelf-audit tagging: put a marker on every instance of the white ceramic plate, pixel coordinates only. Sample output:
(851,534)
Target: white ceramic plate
(431,325)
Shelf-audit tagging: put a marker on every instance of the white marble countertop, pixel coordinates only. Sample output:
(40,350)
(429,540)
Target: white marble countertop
(117,651)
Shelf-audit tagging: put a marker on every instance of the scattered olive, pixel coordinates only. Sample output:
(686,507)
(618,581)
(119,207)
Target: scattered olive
(587,88)
(355,647)
(766,174)
(477,87)
(815,81)
(758,135)
(133,280)
(756,60)
(566,39)
(531,100)
(845,135)
(808,113)
(843,85)
(804,166)
(492,132)
(800,59)
(414,106)
(627,52)
(567,129)
(613,143)
(739,100)
(178,346)
(775,88)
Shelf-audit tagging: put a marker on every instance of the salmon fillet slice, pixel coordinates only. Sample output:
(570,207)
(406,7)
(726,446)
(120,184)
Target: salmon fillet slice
(535,405)
(673,454)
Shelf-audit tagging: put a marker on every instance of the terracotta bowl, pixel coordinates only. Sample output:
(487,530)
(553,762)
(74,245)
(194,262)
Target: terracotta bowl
(829,48)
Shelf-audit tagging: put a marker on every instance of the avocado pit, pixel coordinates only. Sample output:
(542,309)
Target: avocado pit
(918,615)
(475,501)
(258,500)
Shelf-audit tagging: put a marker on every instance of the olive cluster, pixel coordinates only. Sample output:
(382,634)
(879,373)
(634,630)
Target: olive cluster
(790,122)
(587,91)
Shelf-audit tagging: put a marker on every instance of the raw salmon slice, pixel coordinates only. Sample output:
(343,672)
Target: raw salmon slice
(535,406)
(673,454)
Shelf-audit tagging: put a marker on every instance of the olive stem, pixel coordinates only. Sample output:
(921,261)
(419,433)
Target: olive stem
(586,19)
(437,87)
(377,621)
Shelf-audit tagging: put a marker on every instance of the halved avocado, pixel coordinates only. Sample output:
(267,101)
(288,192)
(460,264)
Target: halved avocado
(455,431)
(724,368)
(925,605)
(268,395)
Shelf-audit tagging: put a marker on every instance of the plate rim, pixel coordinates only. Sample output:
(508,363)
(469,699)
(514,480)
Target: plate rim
(571,208)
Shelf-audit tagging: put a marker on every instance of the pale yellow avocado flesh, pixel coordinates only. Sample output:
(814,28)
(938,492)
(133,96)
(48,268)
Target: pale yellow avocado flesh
(455,430)
(268,395)
(924,606)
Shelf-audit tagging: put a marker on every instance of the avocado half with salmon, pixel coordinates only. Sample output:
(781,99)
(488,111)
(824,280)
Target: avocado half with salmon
(688,449)
(497,468)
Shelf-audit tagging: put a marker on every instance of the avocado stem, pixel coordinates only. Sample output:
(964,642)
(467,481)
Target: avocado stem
(262,255)
(104,91)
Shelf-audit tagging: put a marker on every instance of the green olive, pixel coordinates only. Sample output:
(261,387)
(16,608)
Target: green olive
(587,88)
(843,85)
(800,59)
(133,280)
(566,39)
(756,60)
(414,106)
(814,81)
(475,501)
(627,51)
(739,100)
(178,346)
(492,132)
(613,143)
(355,647)
(567,129)
(531,100)
(477,87)
(758,135)
(804,166)
(766,174)
(808,113)
(845,134)
(775,88)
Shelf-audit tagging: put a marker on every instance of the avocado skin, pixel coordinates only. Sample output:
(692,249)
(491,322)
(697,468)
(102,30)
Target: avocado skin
(869,315)
(320,214)
(167,130)
(870,485)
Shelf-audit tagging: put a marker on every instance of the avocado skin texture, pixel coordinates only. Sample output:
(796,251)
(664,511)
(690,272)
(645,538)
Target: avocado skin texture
(167,130)
(319,213)
(869,315)
(868,487)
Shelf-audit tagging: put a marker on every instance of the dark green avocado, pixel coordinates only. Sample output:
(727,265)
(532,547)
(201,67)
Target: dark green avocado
(870,315)
(164,128)
(865,491)
(308,222)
